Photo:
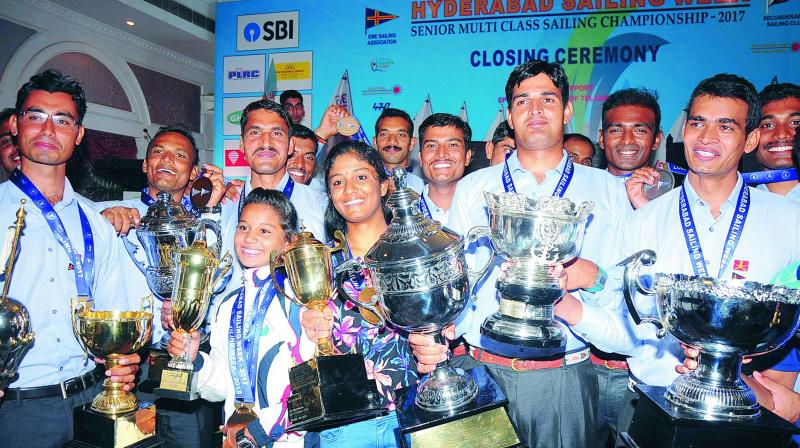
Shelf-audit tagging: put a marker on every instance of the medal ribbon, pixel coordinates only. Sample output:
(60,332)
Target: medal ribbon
(243,342)
(770,176)
(423,207)
(561,186)
(731,240)
(83,270)
(287,191)
(185,201)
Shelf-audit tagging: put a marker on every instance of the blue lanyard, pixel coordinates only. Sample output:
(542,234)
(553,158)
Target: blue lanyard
(731,240)
(356,283)
(187,204)
(423,207)
(84,270)
(770,176)
(561,186)
(243,348)
(287,191)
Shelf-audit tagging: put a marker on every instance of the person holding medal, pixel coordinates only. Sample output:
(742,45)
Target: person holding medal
(444,155)
(714,226)
(780,118)
(358,186)
(67,252)
(552,398)
(256,334)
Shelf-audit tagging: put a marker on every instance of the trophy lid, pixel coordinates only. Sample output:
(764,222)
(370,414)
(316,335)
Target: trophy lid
(411,235)
(304,238)
(165,215)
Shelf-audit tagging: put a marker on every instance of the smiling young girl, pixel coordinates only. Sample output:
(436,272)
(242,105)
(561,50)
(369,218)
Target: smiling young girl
(358,185)
(256,334)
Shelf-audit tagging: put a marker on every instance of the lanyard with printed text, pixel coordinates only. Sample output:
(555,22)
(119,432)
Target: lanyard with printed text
(561,186)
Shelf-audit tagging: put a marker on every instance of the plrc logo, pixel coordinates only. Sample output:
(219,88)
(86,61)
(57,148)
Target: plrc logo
(251,32)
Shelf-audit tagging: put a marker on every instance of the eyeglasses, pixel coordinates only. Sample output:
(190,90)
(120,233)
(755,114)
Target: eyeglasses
(290,106)
(37,118)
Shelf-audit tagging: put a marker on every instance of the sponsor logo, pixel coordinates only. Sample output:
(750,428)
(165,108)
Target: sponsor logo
(741,265)
(395,90)
(244,74)
(265,31)
(234,117)
(380,106)
(235,157)
(375,17)
(380,64)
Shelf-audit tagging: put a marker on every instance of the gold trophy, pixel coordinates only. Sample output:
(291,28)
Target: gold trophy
(198,272)
(16,336)
(110,420)
(330,389)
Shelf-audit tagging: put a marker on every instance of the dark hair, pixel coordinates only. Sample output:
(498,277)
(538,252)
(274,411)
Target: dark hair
(582,138)
(289,94)
(300,131)
(333,220)
(270,106)
(633,97)
(390,112)
(175,130)
(278,202)
(52,81)
(725,85)
(440,120)
(532,68)
(502,132)
(778,91)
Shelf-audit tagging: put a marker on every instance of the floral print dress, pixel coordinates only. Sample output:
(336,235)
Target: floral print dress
(387,354)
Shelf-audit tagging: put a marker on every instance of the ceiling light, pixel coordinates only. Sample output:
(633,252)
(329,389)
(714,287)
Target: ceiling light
(130,22)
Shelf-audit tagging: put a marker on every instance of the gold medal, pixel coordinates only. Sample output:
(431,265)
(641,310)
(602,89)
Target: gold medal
(242,415)
(347,126)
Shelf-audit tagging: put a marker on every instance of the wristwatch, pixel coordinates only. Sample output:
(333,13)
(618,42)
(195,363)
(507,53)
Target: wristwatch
(215,209)
(242,441)
(599,282)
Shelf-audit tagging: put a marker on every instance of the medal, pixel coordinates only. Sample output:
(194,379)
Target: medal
(243,415)
(665,183)
(201,192)
(347,126)
(365,296)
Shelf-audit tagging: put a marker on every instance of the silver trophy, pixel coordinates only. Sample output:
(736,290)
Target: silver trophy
(165,230)
(421,285)
(726,320)
(531,235)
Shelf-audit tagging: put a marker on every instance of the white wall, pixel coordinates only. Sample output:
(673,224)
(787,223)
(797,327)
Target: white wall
(61,30)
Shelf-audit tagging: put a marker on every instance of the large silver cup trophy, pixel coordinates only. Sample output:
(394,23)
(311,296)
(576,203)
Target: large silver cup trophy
(16,336)
(166,229)
(531,234)
(422,284)
(726,320)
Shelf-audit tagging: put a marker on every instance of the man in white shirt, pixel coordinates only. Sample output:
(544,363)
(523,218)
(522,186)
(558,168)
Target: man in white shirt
(444,155)
(780,118)
(394,138)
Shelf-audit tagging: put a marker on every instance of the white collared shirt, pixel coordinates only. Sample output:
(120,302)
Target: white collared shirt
(601,240)
(43,281)
(437,214)
(793,194)
(770,241)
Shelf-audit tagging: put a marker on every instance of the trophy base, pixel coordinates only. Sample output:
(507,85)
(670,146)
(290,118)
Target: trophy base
(659,424)
(545,337)
(178,385)
(331,391)
(481,422)
(93,429)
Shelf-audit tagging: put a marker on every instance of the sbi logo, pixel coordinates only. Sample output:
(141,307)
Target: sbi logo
(251,32)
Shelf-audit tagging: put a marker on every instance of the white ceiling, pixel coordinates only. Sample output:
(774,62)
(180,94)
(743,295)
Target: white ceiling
(153,24)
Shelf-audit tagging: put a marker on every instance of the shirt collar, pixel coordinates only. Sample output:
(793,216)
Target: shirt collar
(693,198)
(248,187)
(515,165)
(66,199)
(256,276)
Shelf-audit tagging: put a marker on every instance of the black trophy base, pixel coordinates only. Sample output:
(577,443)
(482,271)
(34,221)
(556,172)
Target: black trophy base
(177,385)
(96,430)
(482,422)
(331,391)
(158,362)
(659,424)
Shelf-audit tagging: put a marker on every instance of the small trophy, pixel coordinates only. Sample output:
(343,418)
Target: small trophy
(16,336)
(330,389)
(110,420)
(197,273)
(725,320)
(531,234)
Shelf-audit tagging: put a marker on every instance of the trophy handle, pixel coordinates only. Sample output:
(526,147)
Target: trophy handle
(218,279)
(78,306)
(340,243)
(275,262)
(147,303)
(210,224)
(342,272)
(475,277)
(632,282)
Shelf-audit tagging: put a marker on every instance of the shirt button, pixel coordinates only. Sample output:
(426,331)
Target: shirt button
(55,311)
(52,279)
(711,229)
(49,249)
(61,368)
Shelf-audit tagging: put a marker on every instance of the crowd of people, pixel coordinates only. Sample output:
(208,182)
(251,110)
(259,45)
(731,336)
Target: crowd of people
(301,180)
